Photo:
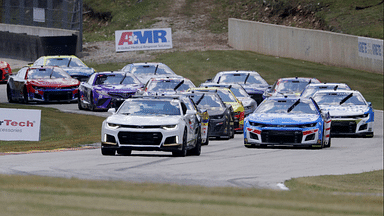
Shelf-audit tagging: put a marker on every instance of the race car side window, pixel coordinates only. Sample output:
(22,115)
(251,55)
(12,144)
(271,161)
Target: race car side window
(39,62)
(21,73)
(184,108)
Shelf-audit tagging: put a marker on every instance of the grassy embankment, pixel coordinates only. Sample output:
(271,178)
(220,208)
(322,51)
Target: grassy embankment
(313,196)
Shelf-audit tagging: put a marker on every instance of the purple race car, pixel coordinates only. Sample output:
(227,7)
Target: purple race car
(105,90)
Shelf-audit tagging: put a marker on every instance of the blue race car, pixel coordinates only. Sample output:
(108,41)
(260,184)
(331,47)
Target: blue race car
(289,122)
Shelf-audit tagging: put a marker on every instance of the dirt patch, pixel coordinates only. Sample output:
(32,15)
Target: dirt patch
(187,35)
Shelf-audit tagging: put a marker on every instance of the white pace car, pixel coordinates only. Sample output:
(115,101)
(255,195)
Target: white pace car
(152,124)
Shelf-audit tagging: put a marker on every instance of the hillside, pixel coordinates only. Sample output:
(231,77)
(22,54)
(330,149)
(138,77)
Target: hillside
(202,24)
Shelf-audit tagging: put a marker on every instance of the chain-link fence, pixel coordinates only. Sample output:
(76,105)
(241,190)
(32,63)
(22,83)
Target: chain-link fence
(63,14)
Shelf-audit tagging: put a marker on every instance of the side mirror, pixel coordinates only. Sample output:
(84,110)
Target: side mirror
(369,104)
(112,110)
(208,80)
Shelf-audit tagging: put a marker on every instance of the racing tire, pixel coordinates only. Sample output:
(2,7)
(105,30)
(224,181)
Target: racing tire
(124,152)
(108,152)
(80,104)
(206,140)
(91,103)
(197,149)
(9,95)
(183,151)
(25,96)
(232,129)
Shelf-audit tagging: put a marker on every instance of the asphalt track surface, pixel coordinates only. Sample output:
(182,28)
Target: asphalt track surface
(222,163)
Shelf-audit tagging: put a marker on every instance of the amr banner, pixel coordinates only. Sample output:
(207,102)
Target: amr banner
(20,124)
(143,39)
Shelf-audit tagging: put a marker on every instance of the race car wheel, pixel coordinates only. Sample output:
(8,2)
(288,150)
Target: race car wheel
(183,151)
(206,140)
(80,104)
(197,149)
(25,96)
(124,152)
(232,129)
(329,143)
(91,103)
(9,95)
(105,151)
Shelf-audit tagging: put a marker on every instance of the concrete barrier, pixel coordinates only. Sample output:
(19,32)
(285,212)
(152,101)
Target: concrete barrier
(311,45)
(30,42)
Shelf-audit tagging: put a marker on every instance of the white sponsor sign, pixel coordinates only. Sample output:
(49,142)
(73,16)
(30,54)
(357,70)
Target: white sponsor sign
(143,39)
(370,48)
(38,15)
(20,124)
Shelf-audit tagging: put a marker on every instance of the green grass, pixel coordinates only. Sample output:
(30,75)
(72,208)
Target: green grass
(334,15)
(33,195)
(58,130)
(199,66)
(126,15)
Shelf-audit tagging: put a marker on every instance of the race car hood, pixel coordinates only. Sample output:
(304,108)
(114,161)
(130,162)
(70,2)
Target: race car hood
(59,82)
(216,111)
(143,120)
(79,71)
(283,118)
(236,106)
(254,88)
(145,78)
(118,88)
(345,110)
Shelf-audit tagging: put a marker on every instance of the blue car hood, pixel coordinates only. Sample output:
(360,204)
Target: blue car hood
(283,118)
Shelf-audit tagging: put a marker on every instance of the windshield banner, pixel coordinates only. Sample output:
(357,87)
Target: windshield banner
(20,124)
(143,39)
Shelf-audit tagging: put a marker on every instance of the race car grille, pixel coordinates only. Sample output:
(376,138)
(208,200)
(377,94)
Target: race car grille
(140,138)
(257,97)
(351,116)
(58,95)
(141,126)
(124,95)
(281,136)
(343,126)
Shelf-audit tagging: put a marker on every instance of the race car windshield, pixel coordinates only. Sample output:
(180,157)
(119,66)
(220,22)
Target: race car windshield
(239,92)
(164,85)
(242,78)
(115,79)
(310,91)
(291,86)
(226,96)
(65,62)
(335,98)
(47,73)
(150,107)
(287,106)
(209,101)
(151,69)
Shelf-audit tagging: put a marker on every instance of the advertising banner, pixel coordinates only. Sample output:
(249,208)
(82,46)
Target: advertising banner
(20,124)
(370,48)
(143,39)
